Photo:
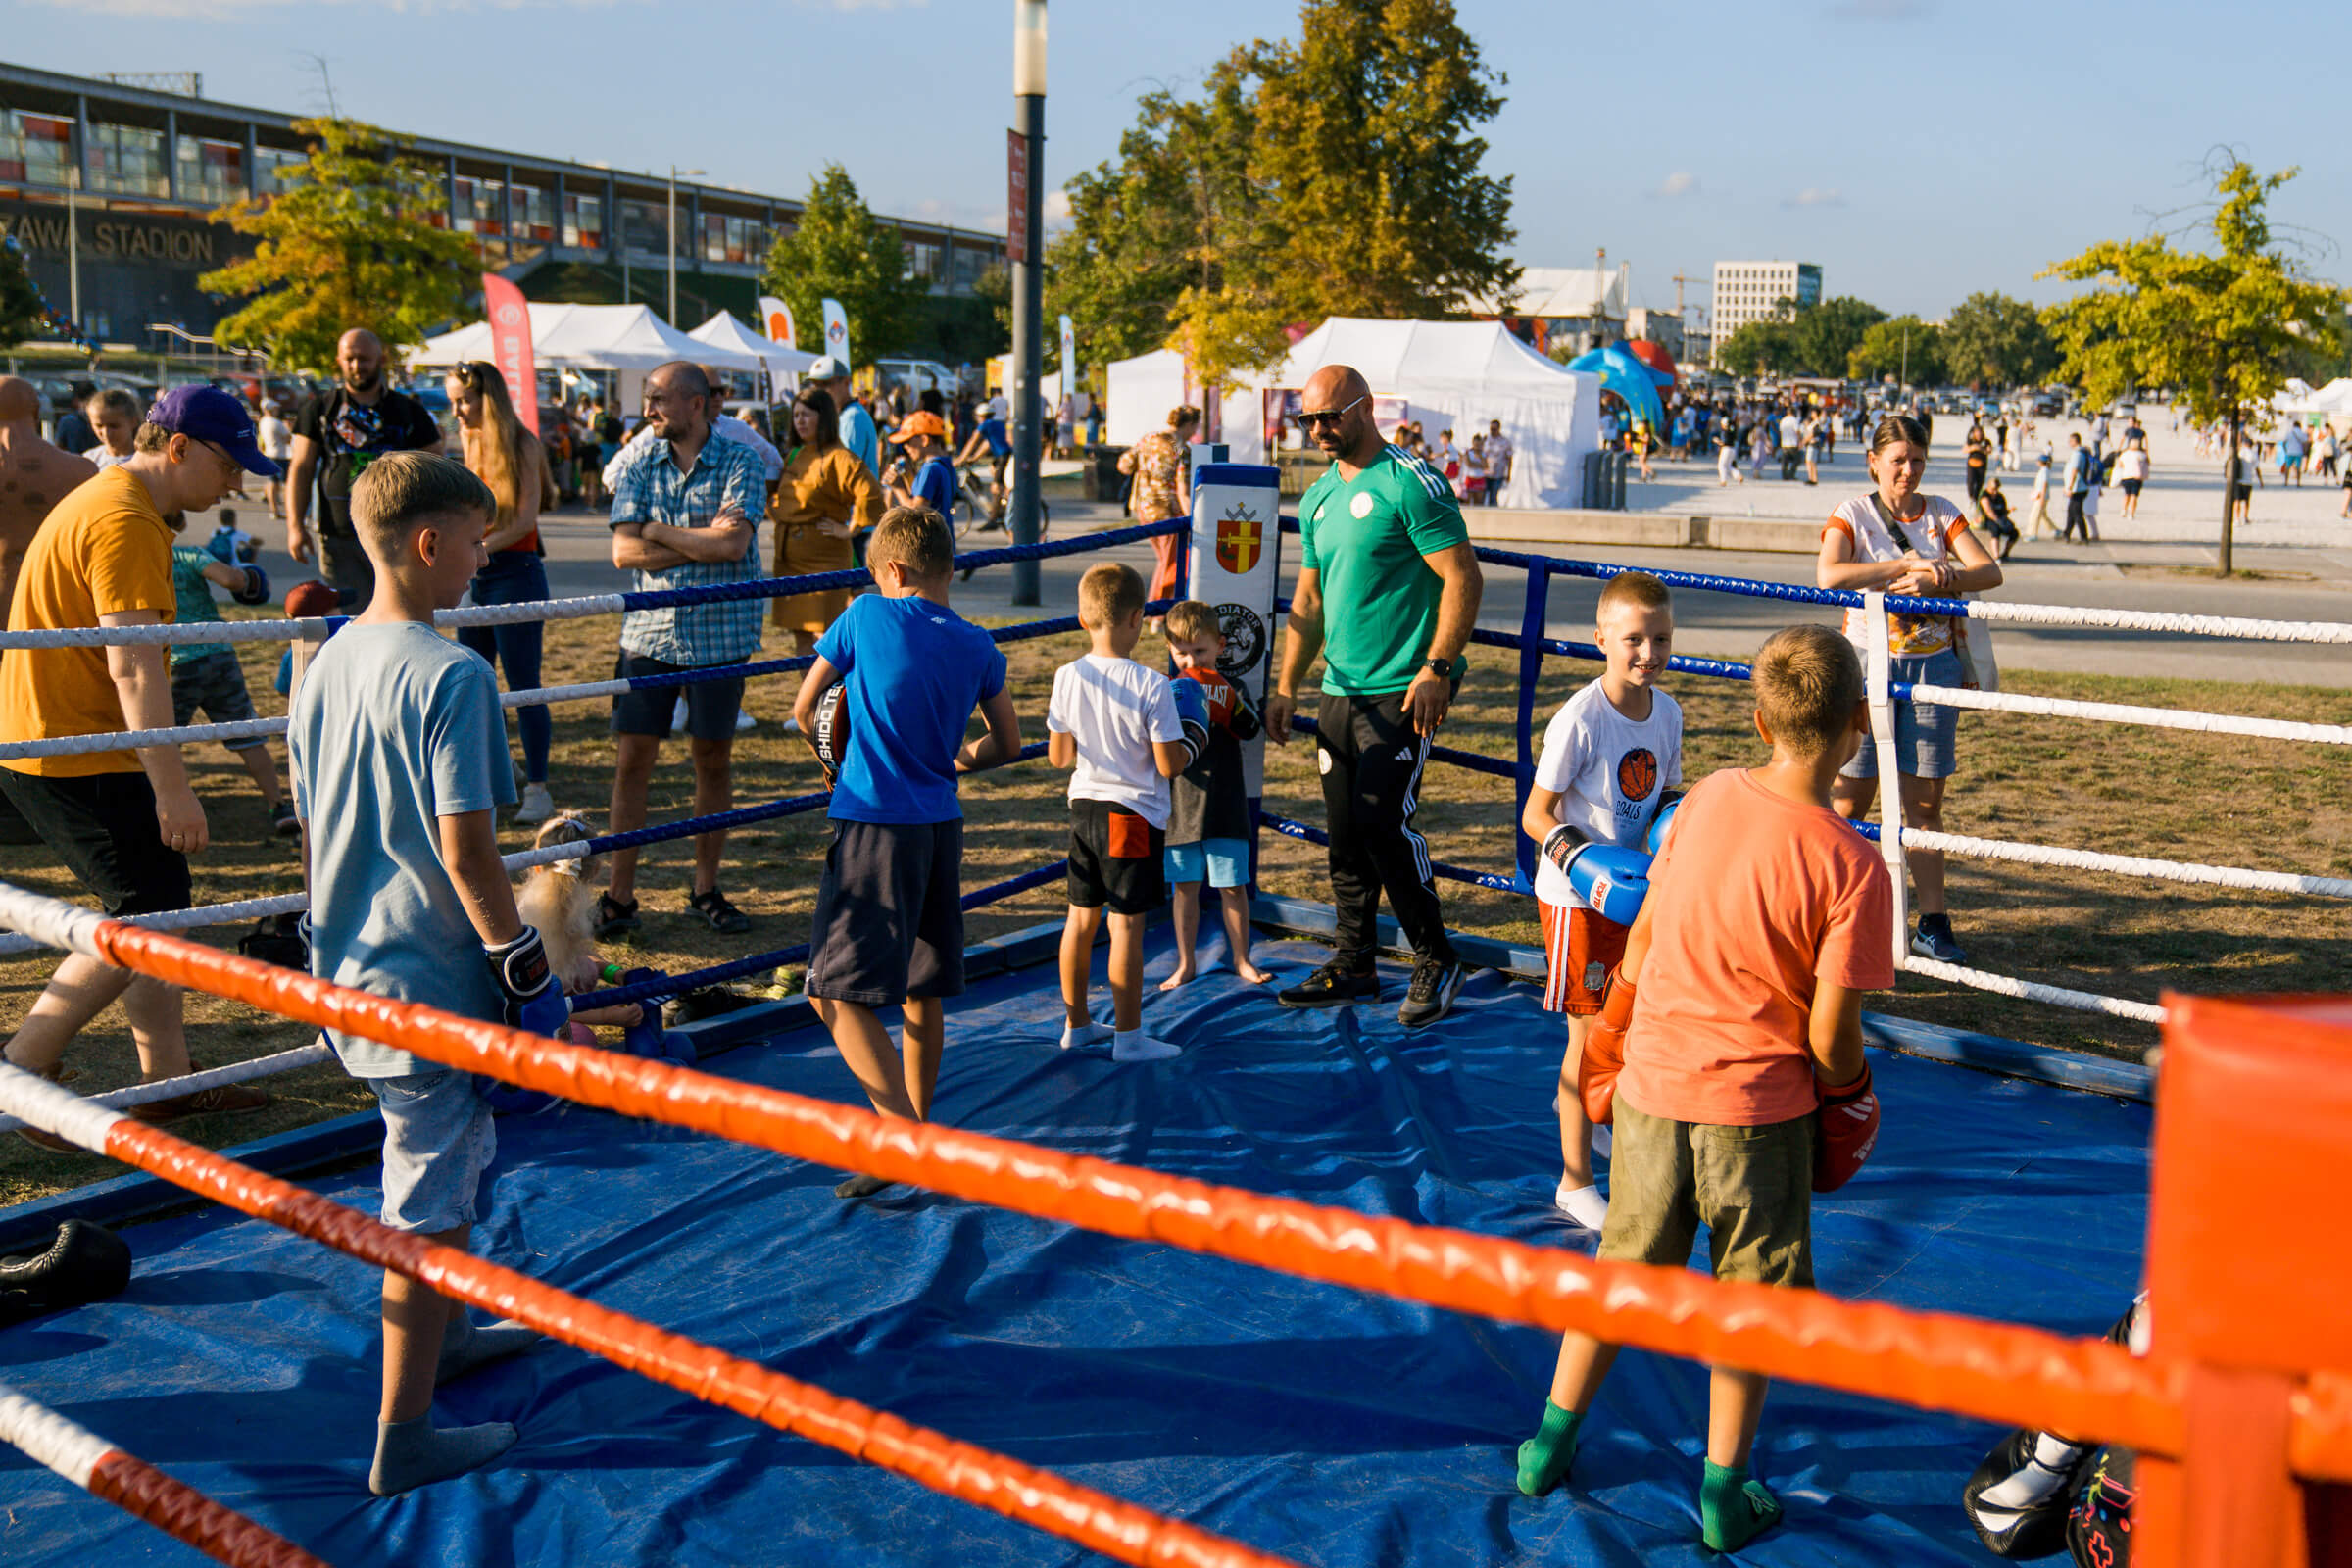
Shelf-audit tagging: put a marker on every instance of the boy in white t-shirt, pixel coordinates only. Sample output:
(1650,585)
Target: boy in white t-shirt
(1125,732)
(1610,770)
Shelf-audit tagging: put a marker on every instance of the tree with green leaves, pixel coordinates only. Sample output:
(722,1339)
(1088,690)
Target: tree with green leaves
(1992,339)
(839,250)
(1903,346)
(346,242)
(1826,334)
(20,311)
(2220,327)
(1766,346)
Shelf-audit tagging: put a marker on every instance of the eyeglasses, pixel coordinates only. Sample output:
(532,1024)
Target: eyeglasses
(236,468)
(1310,418)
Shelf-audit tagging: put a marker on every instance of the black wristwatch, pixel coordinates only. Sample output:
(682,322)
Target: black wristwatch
(1442,668)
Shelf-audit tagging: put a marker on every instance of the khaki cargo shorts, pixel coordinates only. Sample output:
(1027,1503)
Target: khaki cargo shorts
(1750,1187)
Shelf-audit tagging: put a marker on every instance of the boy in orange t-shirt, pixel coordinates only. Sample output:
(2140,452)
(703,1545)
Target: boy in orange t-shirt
(1751,965)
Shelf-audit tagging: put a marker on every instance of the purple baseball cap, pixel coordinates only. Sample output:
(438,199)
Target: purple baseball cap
(207,414)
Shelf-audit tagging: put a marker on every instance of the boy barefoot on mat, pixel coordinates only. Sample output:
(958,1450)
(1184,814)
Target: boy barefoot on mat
(399,753)
(1125,732)
(1744,1090)
(884,708)
(1610,771)
(1209,803)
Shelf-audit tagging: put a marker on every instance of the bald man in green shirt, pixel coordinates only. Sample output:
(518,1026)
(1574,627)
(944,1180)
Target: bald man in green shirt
(1388,591)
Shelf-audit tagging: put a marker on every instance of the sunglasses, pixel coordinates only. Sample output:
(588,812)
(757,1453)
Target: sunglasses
(1310,418)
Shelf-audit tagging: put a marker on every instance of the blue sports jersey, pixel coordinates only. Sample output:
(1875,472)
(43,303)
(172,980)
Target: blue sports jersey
(914,672)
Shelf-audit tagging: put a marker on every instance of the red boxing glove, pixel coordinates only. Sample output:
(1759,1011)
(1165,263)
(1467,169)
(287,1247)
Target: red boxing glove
(1219,692)
(1605,1050)
(1849,1131)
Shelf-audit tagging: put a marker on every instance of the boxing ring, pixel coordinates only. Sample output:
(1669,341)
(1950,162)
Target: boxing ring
(1289,1298)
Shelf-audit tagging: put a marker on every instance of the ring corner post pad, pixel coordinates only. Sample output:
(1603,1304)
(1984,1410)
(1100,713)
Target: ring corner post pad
(1234,563)
(1878,681)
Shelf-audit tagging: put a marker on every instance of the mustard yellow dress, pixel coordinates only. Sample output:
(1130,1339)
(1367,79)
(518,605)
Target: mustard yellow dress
(828,486)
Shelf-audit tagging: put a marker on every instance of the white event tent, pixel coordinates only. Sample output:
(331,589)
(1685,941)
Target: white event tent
(629,338)
(785,365)
(1455,375)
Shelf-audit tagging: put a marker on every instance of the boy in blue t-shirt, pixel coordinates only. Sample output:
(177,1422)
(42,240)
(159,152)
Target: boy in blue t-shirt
(400,767)
(923,477)
(207,676)
(889,926)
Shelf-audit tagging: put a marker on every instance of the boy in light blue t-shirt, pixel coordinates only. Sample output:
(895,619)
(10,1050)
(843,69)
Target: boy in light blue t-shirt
(885,706)
(400,767)
(206,677)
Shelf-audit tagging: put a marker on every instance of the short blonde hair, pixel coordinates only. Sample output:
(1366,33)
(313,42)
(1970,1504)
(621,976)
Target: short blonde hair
(1807,680)
(1633,588)
(399,492)
(1107,594)
(914,536)
(1189,618)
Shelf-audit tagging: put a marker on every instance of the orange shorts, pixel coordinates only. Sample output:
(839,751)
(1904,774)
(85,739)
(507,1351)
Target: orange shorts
(1579,949)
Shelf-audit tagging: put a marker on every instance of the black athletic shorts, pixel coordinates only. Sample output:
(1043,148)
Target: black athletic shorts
(1117,859)
(710,705)
(888,913)
(103,827)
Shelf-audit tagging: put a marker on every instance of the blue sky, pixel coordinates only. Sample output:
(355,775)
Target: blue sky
(1916,149)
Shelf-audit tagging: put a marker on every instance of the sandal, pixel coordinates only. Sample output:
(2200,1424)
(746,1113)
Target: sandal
(721,916)
(613,916)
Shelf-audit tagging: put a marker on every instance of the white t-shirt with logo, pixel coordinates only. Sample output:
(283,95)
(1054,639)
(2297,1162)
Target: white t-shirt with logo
(1609,773)
(1116,707)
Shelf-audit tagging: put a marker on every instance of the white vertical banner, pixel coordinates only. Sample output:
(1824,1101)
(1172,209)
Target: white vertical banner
(1069,356)
(1235,564)
(837,331)
(1877,682)
(775,321)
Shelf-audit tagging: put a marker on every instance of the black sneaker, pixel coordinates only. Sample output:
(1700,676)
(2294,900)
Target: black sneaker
(613,916)
(720,915)
(282,820)
(1436,983)
(1335,985)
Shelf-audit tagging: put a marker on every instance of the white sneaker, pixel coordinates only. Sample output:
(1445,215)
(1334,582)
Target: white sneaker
(1582,1204)
(677,719)
(537,805)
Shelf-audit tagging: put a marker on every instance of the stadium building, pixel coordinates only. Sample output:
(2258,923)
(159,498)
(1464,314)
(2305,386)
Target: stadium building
(154,168)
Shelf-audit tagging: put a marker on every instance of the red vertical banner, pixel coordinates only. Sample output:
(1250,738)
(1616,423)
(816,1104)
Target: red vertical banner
(510,346)
(1016,196)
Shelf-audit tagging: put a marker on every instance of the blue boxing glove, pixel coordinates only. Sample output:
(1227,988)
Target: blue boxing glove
(256,590)
(533,999)
(1672,803)
(1192,711)
(1612,880)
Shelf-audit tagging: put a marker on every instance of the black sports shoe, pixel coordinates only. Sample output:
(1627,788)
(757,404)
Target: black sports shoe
(720,915)
(612,916)
(1436,983)
(1335,985)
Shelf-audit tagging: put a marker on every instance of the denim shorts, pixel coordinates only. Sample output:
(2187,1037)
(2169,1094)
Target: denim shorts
(215,683)
(1925,733)
(1220,862)
(438,1141)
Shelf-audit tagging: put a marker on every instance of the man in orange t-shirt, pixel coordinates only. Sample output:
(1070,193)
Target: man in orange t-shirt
(123,822)
(1751,961)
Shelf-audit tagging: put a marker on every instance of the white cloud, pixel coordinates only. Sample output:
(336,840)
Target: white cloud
(1817,196)
(1678,184)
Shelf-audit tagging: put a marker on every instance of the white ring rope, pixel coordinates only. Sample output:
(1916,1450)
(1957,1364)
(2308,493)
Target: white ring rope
(34,1099)
(68,1447)
(237,1072)
(2035,990)
(2270,730)
(2001,611)
(2219,876)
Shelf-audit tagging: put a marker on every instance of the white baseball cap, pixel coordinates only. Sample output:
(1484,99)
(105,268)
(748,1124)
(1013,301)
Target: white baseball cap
(827,368)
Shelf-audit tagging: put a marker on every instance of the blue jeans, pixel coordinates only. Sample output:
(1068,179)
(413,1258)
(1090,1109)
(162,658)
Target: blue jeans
(515,577)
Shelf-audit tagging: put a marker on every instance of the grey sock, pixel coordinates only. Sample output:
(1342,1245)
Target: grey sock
(411,1453)
(464,1348)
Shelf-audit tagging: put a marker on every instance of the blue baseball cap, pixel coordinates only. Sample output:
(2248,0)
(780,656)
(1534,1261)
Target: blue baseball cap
(207,414)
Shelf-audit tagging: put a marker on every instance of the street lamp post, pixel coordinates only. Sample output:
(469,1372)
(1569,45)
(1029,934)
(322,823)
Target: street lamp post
(675,172)
(1028,286)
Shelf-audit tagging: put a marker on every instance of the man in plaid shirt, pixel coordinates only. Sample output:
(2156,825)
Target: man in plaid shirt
(686,512)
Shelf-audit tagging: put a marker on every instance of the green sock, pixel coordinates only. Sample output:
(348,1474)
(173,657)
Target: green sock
(1544,1458)
(1733,1510)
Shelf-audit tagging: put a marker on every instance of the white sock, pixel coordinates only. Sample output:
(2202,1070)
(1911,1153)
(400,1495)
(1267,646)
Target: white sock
(1582,1204)
(1090,1033)
(1133,1045)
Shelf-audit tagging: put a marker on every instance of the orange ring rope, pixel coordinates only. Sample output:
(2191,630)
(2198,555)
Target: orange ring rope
(1996,1372)
(1093,1519)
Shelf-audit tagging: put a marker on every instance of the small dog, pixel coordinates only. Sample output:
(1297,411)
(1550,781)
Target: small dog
(559,898)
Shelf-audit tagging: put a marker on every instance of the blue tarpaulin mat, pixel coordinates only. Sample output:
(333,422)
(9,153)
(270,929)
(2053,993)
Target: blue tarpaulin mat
(1340,1429)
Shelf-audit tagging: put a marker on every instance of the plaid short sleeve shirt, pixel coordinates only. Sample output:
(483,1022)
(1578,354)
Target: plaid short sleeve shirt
(651,489)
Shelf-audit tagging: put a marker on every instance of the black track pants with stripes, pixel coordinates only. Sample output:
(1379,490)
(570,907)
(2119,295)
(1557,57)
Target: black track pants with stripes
(1371,762)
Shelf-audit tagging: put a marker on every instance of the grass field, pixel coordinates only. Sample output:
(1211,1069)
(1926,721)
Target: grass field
(2217,799)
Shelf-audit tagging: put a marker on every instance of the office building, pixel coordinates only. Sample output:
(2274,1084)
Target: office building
(1752,291)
